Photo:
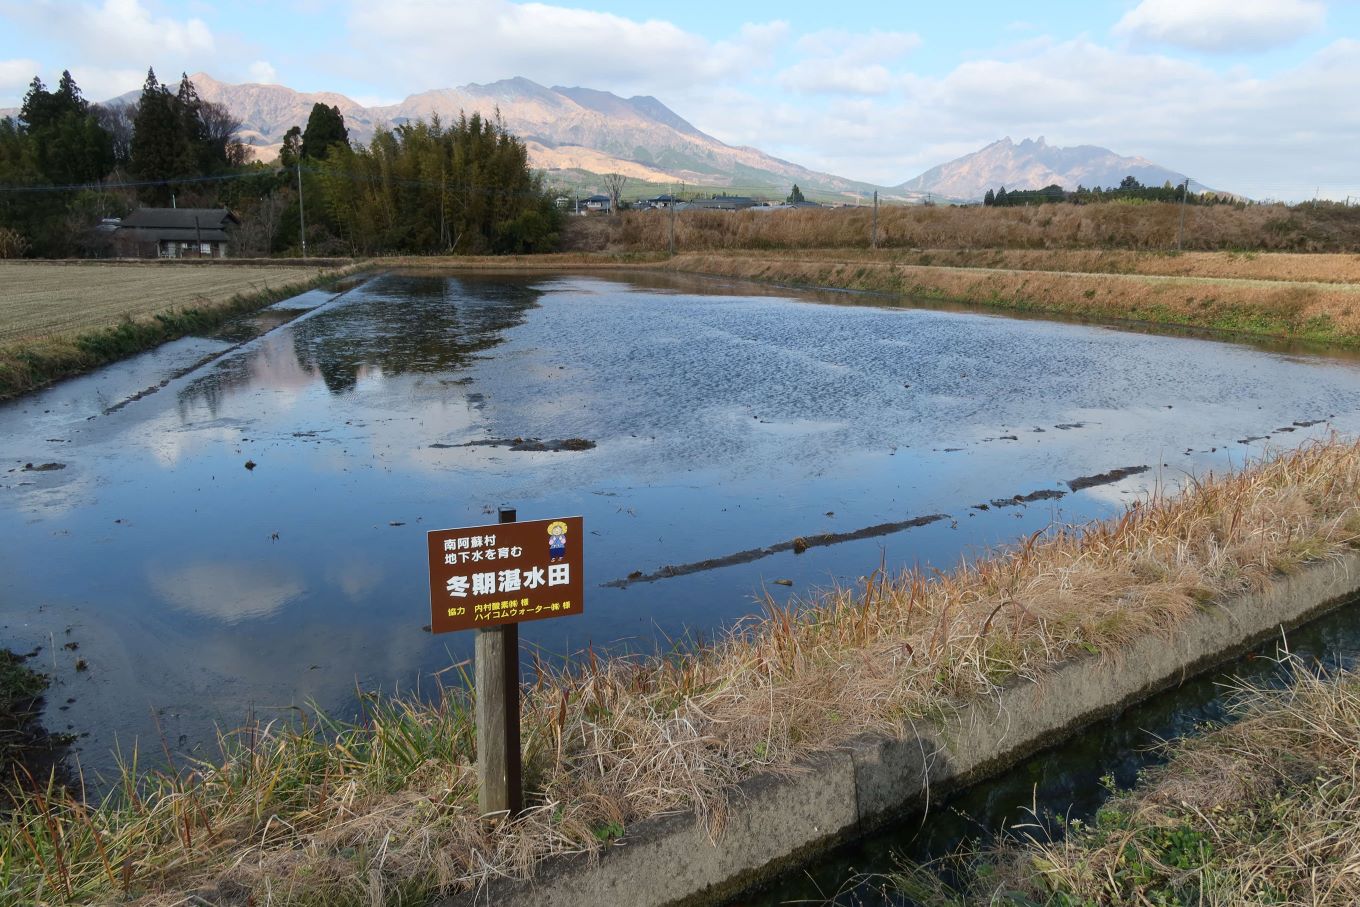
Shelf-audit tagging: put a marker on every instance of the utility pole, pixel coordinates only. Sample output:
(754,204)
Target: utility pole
(1185,196)
(302,214)
(874,240)
(672,207)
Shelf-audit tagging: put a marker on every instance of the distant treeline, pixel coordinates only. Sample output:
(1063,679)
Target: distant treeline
(66,165)
(1128,188)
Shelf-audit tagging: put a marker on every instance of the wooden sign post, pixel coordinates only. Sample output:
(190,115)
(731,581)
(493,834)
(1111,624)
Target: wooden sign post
(489,578)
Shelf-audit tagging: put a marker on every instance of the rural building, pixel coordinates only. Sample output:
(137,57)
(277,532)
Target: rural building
(175,233)
(596,203)
(723,203)
(658,201)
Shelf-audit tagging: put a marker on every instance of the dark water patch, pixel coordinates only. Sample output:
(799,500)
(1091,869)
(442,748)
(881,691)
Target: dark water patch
(525,444)
(1105,478)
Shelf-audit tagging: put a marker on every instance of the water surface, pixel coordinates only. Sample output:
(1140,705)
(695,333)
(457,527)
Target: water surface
(725,418)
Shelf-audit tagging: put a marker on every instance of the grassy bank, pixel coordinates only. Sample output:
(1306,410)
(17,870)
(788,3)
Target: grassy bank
(1136,226)
(320,812)
(109,330)
(1323,312)
(1262,811)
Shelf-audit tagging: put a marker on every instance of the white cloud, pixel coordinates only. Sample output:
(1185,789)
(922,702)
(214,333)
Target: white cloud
(1221,25)
(104,42)
(1230,128)
(840,62)
(263,71)
(15,76)
(429,43)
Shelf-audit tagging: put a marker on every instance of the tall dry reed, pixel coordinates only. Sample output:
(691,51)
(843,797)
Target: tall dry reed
(1118,225)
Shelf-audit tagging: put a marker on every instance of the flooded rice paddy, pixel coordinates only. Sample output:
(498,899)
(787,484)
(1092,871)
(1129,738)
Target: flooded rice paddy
(231,526)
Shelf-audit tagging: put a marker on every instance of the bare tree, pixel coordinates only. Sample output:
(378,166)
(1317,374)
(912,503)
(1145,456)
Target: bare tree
(614,183)
(220,126)
(117,119)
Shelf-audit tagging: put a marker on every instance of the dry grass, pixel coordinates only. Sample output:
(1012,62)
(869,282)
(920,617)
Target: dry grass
(71,317)
(1147,226)
(1324,312)
(43,300)
(1263,811)
(1259,267)
(386,808)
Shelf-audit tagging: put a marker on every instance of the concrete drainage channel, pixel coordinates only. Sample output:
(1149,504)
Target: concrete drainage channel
(777,822)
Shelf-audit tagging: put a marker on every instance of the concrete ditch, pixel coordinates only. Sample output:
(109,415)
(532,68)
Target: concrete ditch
(775,822)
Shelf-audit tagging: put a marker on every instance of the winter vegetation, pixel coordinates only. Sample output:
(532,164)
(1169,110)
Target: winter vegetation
(319,811)
(1259,811)
(1132,225)
(420,188)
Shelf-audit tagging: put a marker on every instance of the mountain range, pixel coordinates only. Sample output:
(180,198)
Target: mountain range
(1034,164)
(574,135)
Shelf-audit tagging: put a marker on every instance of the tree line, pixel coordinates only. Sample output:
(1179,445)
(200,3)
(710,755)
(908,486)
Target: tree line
(1129,188)
(66,165)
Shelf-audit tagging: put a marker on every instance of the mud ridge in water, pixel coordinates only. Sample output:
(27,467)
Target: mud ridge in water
(1043,494)
(798,545)
(1105,478)
(803,542)
(531,444)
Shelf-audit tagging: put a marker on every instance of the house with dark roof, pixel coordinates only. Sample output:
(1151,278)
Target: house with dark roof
(722,203)
(175,233)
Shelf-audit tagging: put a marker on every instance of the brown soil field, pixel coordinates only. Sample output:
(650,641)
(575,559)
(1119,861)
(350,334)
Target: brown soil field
(61,299)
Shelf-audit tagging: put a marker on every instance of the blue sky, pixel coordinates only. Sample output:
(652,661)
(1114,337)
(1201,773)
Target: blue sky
(1254,96)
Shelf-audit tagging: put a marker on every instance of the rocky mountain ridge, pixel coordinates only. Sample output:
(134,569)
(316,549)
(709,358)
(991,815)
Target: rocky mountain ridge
(1034,164)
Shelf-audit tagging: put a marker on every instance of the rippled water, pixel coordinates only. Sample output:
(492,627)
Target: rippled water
(726,418)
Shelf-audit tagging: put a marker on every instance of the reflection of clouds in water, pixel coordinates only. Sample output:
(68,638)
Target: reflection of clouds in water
(356,578)
(171,447)
(53,495)
(229,592)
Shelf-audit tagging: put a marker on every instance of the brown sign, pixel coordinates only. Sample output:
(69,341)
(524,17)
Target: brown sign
(482,576)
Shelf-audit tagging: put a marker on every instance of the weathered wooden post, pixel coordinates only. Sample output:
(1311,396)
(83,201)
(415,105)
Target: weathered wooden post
(496,672)
(489,579)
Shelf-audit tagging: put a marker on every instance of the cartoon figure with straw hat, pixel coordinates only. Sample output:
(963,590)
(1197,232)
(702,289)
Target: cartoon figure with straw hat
(557,541)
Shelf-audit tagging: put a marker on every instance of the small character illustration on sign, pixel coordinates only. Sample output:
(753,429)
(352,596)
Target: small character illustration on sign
(557,541)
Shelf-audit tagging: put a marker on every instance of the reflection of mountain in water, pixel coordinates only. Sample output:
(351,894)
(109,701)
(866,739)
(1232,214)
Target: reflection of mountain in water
(396,325)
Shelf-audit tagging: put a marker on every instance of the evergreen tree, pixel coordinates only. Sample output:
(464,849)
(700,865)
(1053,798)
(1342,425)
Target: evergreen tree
(990,198)
(158,148)
(1000,197)
(195,153)
(68,144)
(291,152)
(325,127)
(795,196)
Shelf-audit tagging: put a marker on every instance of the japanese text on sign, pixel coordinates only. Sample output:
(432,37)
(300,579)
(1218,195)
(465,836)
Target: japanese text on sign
(482,576)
